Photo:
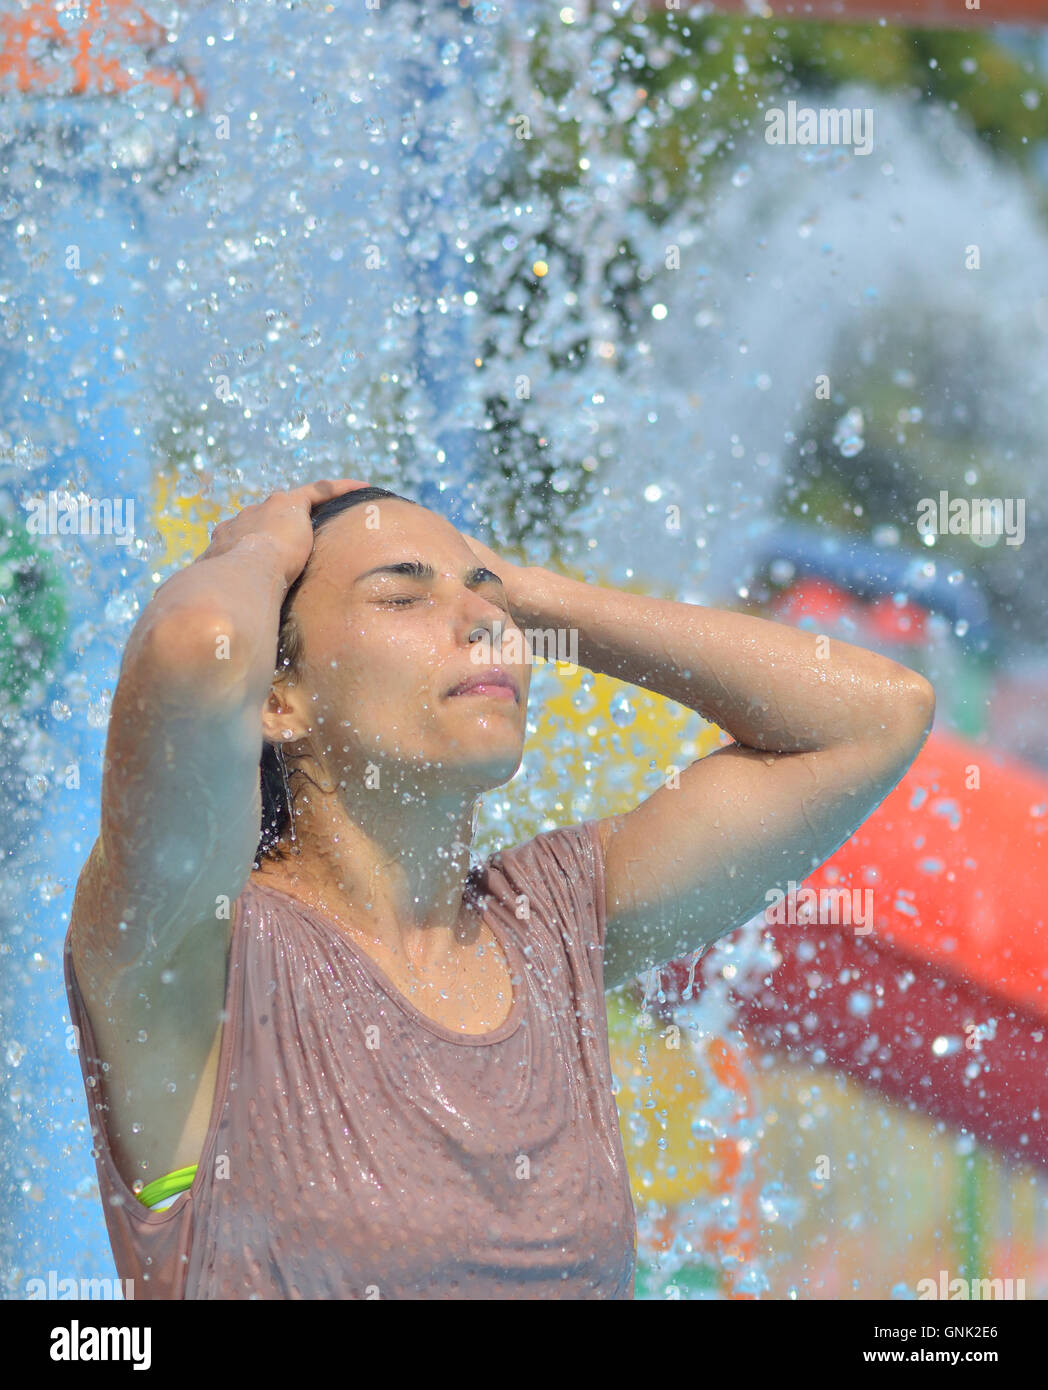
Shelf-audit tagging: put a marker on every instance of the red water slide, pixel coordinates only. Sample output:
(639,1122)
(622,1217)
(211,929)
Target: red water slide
(939,999)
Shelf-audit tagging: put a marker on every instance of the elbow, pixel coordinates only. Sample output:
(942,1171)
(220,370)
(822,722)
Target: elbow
(900,732)
(922,698)
(910,719)
(195,652)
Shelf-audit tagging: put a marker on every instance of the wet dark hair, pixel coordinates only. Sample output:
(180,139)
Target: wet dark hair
(276,812)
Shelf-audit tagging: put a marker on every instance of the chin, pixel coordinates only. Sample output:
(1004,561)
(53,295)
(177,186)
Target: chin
(487,766)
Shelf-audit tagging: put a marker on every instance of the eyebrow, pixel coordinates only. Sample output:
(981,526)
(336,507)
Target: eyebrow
(415,569)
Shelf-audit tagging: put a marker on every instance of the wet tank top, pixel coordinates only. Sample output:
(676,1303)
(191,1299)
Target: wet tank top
(358,1149)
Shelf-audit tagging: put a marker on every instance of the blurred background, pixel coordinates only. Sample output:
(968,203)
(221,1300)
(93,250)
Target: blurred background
(579,279)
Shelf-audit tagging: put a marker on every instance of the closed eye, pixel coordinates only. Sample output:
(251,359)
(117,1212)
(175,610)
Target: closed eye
(402,600)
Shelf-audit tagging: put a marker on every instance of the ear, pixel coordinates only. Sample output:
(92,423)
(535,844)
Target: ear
(278,714)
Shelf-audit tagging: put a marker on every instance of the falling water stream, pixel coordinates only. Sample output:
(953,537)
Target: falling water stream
(366,252)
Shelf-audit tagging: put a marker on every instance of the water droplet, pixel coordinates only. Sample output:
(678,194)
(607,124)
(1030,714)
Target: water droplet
(848,435)
(860,1004)
(623,713)
(121,608)
(752,1280)
(297,427)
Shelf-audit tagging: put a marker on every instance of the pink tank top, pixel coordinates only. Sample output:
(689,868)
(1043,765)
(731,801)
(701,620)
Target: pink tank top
(358,1149)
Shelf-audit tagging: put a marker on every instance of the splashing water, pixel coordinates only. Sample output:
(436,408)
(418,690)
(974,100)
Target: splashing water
(362,256)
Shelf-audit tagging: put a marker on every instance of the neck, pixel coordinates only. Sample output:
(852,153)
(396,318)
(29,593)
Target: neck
(395,876)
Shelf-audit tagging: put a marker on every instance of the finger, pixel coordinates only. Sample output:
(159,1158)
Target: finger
(331,487)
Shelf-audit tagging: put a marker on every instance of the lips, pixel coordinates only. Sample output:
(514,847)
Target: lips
(492,676)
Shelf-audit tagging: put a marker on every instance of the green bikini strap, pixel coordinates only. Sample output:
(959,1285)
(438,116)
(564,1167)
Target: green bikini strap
(170,1185)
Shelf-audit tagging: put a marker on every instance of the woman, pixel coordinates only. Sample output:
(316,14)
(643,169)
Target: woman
(384,1072)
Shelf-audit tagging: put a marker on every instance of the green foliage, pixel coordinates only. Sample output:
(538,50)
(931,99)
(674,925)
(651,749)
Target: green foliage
(740,65)
(32,615)
(970,73)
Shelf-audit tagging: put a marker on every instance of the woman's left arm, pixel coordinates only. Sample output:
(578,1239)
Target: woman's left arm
(823,731)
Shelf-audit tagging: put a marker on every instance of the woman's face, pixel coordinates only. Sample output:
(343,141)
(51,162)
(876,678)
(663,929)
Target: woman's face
(383,650)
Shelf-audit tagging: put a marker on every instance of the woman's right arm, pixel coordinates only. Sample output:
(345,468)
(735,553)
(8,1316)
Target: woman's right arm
(181,803)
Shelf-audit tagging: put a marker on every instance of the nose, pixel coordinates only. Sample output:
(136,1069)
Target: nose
(483,621)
